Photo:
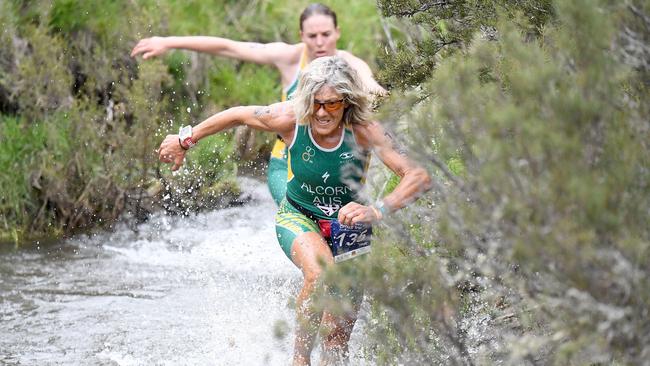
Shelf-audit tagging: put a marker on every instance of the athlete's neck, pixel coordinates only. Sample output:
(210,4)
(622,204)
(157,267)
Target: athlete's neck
(329,140)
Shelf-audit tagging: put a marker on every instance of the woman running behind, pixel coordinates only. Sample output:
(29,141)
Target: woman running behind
(330,137)
(319,33)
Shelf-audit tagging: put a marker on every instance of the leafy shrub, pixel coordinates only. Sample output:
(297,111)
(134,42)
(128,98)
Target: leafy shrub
(537,252)
(19,148)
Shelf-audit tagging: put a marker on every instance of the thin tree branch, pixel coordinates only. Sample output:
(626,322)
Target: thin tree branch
(422,8)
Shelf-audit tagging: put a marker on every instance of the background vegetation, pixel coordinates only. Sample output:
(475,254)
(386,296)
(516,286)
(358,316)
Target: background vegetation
(532,115)
(533,246)
(80,118)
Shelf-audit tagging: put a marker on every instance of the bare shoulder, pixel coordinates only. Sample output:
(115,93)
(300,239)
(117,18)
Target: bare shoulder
(286,58)
(347,55)
(286,55)
(279,116)
(353,60)
(368,134)
(364,71)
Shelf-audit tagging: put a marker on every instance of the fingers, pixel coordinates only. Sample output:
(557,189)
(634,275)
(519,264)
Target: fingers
(358,218)
(345,213)
(171,152)
(353,213)
(139,48)
(147,48)
(168,158)
(165,158)
(177,162)
(361,217)
(146,52)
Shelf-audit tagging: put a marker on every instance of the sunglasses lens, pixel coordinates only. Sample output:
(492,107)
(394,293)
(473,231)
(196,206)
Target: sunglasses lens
(329,106)
(333,106)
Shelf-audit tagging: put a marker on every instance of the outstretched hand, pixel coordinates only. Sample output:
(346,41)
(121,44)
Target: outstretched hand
(170,151)
(353,213)
(149,47)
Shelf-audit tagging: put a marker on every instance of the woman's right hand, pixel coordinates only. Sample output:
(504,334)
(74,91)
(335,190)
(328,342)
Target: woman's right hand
(353,213)
(150,47)
(170,151)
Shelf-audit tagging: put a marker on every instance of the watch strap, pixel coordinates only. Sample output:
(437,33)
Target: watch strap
(186,144)
(185,137)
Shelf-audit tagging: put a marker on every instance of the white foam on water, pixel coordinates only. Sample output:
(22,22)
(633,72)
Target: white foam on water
(208,289)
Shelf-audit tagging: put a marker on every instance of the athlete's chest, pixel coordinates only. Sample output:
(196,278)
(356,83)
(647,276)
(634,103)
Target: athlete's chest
(315,165)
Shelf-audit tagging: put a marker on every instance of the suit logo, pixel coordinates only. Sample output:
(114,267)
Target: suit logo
(308,154)
(346,155)
(329,210)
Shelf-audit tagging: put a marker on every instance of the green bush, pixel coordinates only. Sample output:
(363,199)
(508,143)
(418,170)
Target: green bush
(96,123)
(19,149)
(536,251)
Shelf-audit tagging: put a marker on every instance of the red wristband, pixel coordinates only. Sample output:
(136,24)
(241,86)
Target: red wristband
(187,142)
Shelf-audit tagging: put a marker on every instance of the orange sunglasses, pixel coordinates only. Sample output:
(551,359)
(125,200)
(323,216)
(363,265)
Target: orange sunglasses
(329,106)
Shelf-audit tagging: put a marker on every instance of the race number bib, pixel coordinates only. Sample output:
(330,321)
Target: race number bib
(350,241)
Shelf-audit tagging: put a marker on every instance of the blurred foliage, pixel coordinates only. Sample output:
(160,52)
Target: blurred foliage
(437,29)
(533,245)
(82,118)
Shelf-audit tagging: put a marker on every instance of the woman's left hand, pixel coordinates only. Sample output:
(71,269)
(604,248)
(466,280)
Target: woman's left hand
(170,151)
(353,213)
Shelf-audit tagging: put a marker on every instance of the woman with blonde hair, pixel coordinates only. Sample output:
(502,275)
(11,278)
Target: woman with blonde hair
(323,218)
(319,33)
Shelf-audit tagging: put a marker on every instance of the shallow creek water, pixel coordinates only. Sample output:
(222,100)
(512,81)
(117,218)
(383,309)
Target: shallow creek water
(209,289)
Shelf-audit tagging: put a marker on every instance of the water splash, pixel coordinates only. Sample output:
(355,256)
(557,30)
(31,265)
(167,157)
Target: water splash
(207,289)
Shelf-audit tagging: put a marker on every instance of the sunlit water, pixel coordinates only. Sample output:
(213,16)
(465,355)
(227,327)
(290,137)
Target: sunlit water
(211,289)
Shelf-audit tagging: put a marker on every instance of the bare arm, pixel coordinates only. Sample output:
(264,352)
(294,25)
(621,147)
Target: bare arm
(414,179)
(278,118)
(261,53)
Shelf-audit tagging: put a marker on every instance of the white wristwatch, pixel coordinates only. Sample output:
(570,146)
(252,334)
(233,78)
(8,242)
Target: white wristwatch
(185,137)
(382,208)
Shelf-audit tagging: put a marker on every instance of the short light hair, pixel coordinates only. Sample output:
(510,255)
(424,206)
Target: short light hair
(333,71)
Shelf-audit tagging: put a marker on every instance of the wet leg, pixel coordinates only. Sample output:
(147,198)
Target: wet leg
(311,254)
(338,329)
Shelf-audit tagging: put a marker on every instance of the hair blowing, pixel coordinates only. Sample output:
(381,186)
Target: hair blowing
(333,71)
(317,8)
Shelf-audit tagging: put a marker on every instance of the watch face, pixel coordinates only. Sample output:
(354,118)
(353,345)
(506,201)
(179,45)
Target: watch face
(381,207)
(185,132)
